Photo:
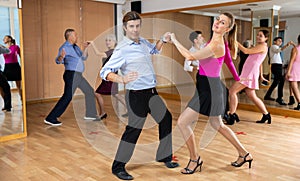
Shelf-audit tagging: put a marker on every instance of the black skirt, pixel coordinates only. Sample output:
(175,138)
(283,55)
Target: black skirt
(12,71)
(210,97)
(107,88)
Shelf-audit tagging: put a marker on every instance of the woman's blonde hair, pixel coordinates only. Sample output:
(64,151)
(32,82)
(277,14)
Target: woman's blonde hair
(231,38)
(111,37)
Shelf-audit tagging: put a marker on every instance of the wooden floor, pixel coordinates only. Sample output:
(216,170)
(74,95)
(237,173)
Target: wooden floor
(12,122)
(83,150)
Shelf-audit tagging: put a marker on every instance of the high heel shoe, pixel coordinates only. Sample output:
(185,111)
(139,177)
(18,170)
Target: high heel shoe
(236,164)
(189,171)
(233,118)
(298,107)
(266,117)
(292,100)
(104,116)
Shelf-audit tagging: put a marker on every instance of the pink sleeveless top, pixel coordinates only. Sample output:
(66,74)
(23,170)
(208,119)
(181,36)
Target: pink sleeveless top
(250,73)
(295,70)
(211,67)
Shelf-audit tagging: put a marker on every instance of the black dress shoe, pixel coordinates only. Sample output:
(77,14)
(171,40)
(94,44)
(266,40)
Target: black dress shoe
(281,102)
(171,164)
(269,99)
(123,175)
(6,109)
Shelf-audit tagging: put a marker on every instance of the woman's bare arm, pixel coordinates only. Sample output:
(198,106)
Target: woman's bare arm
(198,55)
(260,48)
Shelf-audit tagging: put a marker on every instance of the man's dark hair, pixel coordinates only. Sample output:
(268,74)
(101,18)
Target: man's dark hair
(277,38)
(132,15)
(68,33)
(194,35)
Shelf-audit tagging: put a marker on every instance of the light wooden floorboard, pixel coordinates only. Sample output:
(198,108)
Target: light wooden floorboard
(84,150)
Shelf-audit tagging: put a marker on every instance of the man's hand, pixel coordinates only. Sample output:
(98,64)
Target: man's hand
(62,55)
(131,76)
(86,44)
(166,37)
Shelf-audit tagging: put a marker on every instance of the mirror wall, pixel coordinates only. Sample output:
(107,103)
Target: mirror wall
(283,24)
(12,122)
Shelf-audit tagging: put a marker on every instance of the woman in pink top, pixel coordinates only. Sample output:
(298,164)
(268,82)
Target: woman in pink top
(293,71)
(251,72)
(209,98)
(12,69)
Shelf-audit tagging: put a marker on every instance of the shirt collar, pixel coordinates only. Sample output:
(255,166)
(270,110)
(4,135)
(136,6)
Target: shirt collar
(130,42)
(68,43)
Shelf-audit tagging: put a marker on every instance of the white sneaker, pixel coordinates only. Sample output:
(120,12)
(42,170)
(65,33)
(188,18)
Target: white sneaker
(53,122)
(91,118)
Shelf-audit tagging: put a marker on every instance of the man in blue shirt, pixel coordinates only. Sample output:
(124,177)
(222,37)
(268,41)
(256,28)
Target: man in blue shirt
(72,57)
(133,57)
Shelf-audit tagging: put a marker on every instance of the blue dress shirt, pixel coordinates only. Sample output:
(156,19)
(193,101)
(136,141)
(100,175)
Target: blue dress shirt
(130,56)
(74,58)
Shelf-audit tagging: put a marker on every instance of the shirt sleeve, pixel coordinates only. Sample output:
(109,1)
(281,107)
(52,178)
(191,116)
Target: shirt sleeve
(3,49)
(195,63)
(152,47)
(229,63)
(56,59)
(83,58)
(113,65)
(187,66)
(275,49)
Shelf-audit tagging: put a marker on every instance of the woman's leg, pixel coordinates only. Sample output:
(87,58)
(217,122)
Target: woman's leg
(257,101)
(100,101)
(18,84)
(233,99)
(217,123)
(185,120)
(295,89)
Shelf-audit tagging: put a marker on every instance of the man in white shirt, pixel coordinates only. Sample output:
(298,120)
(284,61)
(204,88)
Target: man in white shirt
(198,42)
(276,69)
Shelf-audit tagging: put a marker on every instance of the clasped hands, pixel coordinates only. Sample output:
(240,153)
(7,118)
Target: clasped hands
(168,37)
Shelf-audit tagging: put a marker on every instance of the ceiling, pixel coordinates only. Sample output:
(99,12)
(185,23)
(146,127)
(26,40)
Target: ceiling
(289,8)
(9,3)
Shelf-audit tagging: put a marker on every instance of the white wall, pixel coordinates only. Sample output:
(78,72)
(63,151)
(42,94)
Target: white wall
(291,33)
(149,6)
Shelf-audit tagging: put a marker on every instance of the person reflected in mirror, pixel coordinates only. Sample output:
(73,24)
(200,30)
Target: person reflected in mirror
(285,67)
(73,59)
(133,57)
(277,70)
(198,42)
(210,96)
(293,71)
(107,87)
(251,72)
(4,85)
(12,69)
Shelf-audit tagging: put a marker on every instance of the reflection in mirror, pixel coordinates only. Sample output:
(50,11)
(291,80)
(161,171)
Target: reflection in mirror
(283,23)
(12,119)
